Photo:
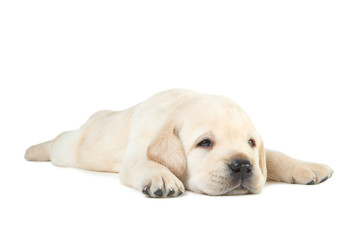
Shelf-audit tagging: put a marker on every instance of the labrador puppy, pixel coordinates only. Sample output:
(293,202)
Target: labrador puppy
(177,140)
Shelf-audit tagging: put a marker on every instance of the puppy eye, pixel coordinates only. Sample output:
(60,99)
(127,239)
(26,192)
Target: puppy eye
(205,143)
(252,142)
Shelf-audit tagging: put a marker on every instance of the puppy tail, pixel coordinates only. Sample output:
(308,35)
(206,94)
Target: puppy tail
(40,152)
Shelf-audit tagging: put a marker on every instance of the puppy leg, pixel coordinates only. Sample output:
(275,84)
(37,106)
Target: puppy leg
(282,168)
(152,178)
(39,152)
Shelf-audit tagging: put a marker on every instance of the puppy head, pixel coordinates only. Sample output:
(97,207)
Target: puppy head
(213,147)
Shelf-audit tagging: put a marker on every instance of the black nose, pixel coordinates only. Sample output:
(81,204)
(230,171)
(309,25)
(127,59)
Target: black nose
(242,168)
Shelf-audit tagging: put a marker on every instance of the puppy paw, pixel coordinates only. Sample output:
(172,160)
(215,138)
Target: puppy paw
(310,173)
(165,185)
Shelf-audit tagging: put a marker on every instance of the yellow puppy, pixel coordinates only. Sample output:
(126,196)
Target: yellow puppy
(178,139)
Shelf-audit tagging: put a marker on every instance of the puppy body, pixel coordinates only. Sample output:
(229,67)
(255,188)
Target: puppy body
(174,138)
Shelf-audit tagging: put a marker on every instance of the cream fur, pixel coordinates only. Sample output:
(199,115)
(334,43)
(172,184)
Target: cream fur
(153,147)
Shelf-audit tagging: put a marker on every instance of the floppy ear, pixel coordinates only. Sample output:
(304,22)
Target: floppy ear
(167,149)
(263,159)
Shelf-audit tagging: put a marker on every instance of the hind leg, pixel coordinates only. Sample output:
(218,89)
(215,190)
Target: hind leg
(39,152)
(64,150)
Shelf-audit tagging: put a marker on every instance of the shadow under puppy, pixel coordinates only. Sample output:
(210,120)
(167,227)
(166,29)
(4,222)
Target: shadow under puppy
(177,140)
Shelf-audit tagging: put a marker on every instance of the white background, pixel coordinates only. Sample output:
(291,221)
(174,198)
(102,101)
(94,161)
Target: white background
(292,65)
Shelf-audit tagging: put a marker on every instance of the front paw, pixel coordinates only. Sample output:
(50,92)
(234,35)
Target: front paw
(166,185)
(311,173)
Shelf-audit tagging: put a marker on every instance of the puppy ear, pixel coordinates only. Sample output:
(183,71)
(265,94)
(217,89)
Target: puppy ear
(263,159)
(167,149)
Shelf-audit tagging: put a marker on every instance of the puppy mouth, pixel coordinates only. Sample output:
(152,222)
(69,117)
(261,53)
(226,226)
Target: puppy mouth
(238,190)
(229,185)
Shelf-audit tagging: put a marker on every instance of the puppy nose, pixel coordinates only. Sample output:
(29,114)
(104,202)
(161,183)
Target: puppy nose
(242,168)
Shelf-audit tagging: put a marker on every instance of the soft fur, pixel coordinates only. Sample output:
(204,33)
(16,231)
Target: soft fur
(154,146)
